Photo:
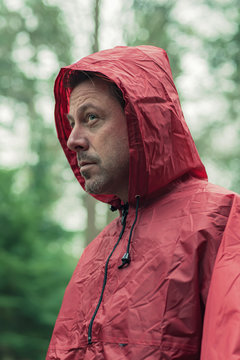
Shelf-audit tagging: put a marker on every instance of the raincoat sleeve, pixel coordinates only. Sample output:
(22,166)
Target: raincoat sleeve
(221,332)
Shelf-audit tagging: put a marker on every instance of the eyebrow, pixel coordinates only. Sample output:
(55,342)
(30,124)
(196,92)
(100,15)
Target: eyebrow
(81,110)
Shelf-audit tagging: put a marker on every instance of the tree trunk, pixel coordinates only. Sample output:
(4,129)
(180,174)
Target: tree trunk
(95,45)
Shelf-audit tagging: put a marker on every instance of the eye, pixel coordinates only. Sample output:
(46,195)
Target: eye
(72,124)
(91,117)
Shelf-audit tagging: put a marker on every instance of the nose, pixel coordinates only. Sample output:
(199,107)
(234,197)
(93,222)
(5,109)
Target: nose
(77,140)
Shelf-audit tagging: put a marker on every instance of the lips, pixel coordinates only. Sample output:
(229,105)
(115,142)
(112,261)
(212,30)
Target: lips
(84,160)
(84,163)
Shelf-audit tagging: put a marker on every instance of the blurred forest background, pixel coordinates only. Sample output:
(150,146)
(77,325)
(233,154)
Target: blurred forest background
(45,218)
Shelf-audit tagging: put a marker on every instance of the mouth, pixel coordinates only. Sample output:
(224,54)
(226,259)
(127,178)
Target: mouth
(82,164)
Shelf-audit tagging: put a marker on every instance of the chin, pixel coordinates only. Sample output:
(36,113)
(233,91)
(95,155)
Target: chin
(94,187)
(98,186)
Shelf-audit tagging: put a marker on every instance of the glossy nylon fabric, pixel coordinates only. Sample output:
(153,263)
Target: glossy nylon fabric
(154,308)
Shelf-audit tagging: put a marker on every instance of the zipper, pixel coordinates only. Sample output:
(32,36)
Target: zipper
(123,222)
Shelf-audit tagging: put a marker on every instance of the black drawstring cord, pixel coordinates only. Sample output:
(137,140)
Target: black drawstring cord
(124,217)
(126,259)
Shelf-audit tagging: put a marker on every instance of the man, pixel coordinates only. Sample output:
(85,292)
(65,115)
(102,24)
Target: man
(141,287)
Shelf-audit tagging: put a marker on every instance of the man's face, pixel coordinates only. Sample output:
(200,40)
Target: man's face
(99,137)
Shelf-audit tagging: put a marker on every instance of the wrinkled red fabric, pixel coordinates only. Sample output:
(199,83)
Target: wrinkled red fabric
(155,307)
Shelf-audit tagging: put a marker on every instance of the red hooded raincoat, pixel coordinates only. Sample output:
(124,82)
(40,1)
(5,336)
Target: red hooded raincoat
(155,307)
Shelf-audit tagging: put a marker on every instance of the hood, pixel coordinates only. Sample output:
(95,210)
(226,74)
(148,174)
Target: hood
(160,144)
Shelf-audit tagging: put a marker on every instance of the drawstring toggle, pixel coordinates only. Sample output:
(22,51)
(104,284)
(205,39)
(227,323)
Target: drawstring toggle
(126,259)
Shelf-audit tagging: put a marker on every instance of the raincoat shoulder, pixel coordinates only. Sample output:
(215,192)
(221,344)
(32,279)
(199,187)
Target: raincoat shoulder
(221,332)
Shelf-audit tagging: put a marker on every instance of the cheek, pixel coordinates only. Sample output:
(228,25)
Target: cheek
(119,151)
(114,150)
(118,141)
(113,141)
(107,139)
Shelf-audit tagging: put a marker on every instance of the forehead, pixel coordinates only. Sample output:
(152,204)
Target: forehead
(95,89)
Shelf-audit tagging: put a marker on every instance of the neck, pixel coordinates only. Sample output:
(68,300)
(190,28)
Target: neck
(123,196)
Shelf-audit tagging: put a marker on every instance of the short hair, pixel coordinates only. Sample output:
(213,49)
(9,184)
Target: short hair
(73,78)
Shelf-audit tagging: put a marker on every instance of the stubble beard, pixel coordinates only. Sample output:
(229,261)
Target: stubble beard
(109,177)
(103,182)
(100,182)
(97,185)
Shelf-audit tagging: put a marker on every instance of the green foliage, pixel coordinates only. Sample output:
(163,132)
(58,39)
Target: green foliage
(34,43)
(158,23)
(34,266)
(223,56)
(34,270)
(152,23)
(17,38)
